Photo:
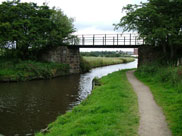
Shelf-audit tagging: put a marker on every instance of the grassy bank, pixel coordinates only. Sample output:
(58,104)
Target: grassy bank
(104,61)
(166,86)
(17,70)
(92,62)
(111,110)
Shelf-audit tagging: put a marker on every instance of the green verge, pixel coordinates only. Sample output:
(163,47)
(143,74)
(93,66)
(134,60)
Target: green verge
(17,70)
(104,61)
(92,62)
(166,86)
(111,110)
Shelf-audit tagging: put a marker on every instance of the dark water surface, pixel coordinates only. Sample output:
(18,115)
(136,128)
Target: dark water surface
(28,107)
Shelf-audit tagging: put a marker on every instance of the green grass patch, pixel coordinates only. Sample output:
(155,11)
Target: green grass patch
(104,61)
(111,110)
(166,86)
(17,70)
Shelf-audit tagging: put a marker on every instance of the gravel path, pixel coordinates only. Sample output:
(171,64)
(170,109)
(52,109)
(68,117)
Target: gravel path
(152,120)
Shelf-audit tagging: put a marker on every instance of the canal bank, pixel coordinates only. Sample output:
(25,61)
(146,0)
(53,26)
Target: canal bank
(111,109)
(14,70)
(28,107)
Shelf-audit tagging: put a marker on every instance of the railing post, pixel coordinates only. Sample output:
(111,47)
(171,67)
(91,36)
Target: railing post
(135,40)
(72,41)
(124,40)
(105,39)
(93,39)
(113,40)
(117,39)
(82,40)
(130,39)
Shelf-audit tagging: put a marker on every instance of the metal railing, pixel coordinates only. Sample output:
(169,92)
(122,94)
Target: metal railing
(108,39)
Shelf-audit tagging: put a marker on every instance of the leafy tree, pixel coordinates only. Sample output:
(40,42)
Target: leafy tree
(158,22)
(26,28)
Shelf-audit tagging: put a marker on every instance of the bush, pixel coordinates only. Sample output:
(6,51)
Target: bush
(84,65)
(169,75)
(27,70)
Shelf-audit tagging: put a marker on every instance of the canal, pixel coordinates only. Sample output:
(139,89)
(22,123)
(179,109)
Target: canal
(28,107)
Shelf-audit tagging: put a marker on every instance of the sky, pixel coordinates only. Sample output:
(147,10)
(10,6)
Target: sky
(91,16)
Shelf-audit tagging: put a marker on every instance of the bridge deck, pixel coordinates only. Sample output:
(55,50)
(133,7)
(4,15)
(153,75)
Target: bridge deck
(126,40)
(104,46)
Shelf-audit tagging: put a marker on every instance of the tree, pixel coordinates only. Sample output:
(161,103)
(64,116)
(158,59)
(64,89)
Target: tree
(26,28)
(158,22)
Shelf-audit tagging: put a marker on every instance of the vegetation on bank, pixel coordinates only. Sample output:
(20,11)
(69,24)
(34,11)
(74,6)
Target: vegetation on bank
(165,83)
(17,70)
(27,31)
(111,110)
(106,54)
(92,62)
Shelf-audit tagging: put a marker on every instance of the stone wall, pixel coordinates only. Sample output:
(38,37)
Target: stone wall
(66,55)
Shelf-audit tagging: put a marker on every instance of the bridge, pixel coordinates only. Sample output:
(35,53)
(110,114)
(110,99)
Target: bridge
(71,54)
(126,40)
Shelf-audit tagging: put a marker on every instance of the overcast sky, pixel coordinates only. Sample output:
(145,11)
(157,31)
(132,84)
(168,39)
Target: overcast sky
(91,16)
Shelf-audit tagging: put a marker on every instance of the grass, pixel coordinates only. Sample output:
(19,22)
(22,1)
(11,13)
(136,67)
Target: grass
(17,70)
(104,61)
(166,86)
(111,110)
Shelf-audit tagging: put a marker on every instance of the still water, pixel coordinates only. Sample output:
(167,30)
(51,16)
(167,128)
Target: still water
(28,107)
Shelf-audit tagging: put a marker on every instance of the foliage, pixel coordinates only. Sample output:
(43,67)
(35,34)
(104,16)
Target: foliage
(27,28)
(105,54)
(104,61)
(158,22)
(84,65)
(166,86)
(111,110)
(96,82)
(17,70)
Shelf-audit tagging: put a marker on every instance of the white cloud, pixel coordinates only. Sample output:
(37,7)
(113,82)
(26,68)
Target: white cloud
(89,14)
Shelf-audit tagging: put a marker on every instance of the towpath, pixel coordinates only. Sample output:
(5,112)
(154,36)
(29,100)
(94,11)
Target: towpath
(152,119)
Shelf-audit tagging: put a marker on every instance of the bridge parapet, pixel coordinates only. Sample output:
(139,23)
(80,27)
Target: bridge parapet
(127,39)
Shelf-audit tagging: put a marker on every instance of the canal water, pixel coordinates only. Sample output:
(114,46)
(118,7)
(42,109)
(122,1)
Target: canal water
(28,107)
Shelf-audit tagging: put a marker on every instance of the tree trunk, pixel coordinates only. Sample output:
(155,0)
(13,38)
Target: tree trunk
(172,55)
(164,47)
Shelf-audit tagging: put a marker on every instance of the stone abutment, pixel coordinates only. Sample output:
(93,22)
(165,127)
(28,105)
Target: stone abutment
(64,55)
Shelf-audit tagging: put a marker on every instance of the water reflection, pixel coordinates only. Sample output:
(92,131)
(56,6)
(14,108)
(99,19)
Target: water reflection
(27,107)
(86,79)
(30,106)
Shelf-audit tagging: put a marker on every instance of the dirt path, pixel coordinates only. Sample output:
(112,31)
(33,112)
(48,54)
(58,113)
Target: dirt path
(152,120)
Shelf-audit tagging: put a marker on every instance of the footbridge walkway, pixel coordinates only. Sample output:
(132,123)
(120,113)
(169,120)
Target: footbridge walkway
(127,40)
